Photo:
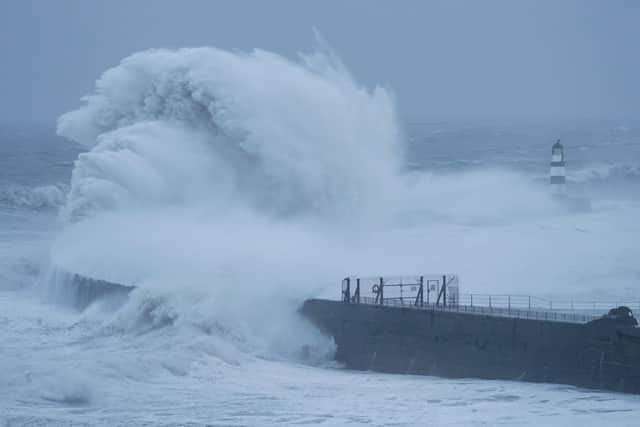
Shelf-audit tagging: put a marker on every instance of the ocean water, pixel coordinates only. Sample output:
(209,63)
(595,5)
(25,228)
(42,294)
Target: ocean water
(229,187)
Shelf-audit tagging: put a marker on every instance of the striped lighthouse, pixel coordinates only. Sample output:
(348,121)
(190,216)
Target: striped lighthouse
(557,175)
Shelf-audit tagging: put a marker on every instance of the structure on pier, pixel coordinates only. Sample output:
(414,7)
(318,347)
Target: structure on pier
(439,289)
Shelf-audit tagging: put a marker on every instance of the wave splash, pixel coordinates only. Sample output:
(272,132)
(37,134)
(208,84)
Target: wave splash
(34,198)
(203,171)
(228,187)
(208,126)
(607,174)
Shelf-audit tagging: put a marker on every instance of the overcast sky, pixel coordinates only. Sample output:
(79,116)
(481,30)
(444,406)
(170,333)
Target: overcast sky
(443,59)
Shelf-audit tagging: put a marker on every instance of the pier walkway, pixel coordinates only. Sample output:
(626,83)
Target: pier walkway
(441,292)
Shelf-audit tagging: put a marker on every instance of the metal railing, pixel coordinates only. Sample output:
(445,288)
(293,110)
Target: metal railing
(500,307)
(543,304)
(441,292)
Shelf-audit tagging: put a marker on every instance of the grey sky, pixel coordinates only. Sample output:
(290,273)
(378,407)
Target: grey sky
(443,59)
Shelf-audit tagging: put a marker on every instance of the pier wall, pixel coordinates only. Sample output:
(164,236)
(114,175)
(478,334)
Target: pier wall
(455,344)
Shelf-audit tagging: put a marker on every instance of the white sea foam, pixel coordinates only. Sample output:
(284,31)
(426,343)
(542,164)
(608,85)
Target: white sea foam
(195,125)
(213,178)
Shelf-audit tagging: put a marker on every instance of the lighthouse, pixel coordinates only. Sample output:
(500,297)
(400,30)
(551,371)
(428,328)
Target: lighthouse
(557,175)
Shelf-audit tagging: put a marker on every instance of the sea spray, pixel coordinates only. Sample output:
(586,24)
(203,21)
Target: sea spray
(212,179)
(229,187)
(288,137)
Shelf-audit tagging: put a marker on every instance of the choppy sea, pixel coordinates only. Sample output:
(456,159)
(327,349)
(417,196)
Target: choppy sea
(224,241)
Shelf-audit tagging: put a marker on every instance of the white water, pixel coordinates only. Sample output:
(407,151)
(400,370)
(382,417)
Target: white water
(229,187)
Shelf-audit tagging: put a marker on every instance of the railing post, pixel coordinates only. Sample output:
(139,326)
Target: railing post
(444,290)
(509,304)
(427,292)
(357,295)
(529,302)
(381,291)
(420,296)
(346,297)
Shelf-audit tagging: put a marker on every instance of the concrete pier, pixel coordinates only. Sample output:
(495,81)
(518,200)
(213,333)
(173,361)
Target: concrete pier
(602,353)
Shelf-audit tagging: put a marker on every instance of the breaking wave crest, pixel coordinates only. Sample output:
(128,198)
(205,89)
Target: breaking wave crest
(607,174)
(209,126)
(210,181)
(36,198)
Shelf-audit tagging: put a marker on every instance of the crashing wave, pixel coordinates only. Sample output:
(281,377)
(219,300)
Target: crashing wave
(607,173)
(206,125)
(80,291)
(229,187)
(44,197)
